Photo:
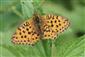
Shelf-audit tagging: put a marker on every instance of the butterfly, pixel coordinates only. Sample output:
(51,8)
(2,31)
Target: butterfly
(40,27)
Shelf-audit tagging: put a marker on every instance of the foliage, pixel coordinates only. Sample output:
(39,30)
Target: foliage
(71,43)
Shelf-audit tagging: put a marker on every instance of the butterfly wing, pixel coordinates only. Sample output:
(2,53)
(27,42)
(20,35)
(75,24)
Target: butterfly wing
(26,33)
(53,25)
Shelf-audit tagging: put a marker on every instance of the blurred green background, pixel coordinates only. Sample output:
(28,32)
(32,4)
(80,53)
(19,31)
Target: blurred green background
(71,43)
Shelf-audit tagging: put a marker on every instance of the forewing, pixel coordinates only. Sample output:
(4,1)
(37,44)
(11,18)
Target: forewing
(53,25)
(26,33)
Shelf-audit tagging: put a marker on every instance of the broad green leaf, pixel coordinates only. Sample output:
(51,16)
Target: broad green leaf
(5,5)
(71,43)
(27,8)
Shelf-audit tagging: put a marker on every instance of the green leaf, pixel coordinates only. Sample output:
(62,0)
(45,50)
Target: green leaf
(67,44)
(5,5)
(27,8)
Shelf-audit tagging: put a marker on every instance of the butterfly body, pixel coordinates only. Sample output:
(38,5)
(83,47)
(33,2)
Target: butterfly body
(40,27)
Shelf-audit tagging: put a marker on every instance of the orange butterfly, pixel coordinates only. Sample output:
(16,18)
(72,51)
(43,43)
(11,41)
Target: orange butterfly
(40,27)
